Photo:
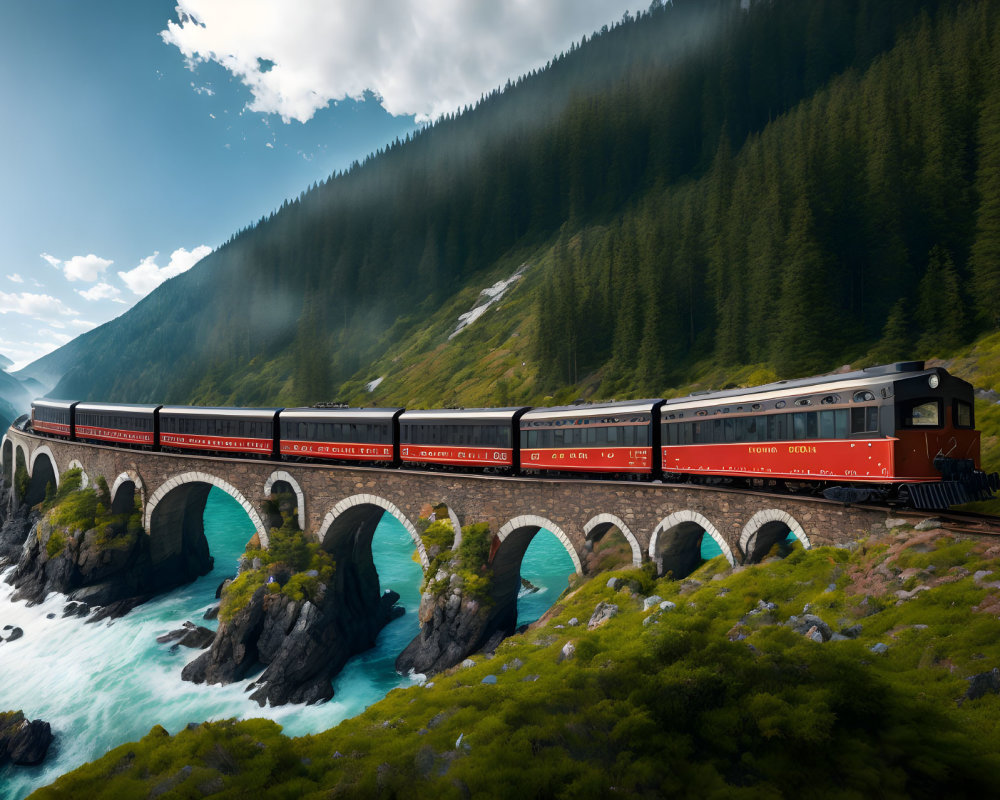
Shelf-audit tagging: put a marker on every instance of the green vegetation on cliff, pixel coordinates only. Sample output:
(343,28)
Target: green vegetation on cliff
(713,695)
(291,565)
(73,507)
(470,562)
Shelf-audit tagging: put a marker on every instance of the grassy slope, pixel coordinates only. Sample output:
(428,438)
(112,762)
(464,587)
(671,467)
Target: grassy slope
(681,706)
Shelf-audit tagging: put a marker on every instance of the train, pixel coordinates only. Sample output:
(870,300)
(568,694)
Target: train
(897,432)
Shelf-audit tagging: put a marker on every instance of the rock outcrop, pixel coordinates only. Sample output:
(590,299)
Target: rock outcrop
(105,568)
(16,520)
(302,643)
(453,625)
(23,742)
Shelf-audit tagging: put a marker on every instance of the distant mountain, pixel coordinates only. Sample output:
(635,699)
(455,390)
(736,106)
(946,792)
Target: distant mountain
(795,186)
(5,362)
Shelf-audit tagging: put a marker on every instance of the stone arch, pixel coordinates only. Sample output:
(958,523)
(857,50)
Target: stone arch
(676,543)
(528,521)
(43,450)
(84,477)
(602,523)
(766,528)
(118,502)
(173,519)
(42,471)
(7,458)
(358,512)
(23,449)
(279,476)
(509,546)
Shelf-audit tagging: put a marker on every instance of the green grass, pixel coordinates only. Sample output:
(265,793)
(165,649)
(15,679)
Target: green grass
(679,706)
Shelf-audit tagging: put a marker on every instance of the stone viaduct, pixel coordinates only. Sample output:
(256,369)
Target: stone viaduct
(661,522)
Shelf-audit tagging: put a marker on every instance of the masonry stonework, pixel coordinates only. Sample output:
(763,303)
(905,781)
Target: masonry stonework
(649,514)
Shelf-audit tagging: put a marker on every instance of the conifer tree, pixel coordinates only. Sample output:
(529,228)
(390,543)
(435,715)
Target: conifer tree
(941,311)
(985,256)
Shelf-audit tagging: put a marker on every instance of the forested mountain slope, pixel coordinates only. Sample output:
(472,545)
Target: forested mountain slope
(793,186)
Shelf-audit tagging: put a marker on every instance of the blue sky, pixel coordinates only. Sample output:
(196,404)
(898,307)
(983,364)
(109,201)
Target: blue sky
(139,135)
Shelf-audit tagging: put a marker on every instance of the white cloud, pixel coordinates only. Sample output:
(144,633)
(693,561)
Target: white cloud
(15,278)
(148,275)
(422,58)
(101,291)
(86,268)
(37,306)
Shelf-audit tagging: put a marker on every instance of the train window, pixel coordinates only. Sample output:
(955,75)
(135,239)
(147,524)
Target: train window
(963,414)
(863,396)
(830,399)
(780,404)
(841,423)
(799,425)
(922,414)
(827,428)
(803,401)
(859,420)
(730,428)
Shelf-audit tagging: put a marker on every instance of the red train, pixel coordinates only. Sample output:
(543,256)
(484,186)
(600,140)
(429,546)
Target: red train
(895,431)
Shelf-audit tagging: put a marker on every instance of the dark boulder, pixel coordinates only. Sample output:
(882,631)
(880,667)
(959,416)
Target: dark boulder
(10,633)
(23,742)
(982,684)
(189,635)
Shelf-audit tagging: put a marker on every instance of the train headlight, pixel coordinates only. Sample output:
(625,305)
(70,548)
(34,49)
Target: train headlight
(933,381)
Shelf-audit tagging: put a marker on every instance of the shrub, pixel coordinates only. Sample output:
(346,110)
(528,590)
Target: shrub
(56,544)
(289,559)
(440,534)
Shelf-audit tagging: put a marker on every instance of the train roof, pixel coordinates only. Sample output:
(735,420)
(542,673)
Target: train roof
(462,414)
(47,403)
(846,381)
(124,408)
(381,414)
(593,409)
(201,411)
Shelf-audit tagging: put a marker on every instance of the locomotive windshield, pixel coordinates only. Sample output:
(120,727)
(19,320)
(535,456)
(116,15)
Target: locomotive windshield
(922,414)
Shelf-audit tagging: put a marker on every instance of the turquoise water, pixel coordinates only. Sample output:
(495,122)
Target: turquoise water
(709,548)
(100,685)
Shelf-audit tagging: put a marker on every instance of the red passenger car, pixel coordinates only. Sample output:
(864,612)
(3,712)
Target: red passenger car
(116,423)
(473,437)
(614,438)
(340,434)
(225,431)
(54,417)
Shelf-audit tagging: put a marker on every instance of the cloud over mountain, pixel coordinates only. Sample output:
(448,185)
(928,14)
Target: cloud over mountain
(148,274)
(426,59)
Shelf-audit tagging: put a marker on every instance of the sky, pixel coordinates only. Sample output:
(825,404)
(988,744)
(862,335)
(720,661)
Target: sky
(138,135)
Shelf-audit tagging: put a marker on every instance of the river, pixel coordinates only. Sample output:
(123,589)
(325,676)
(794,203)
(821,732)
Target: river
(100,685)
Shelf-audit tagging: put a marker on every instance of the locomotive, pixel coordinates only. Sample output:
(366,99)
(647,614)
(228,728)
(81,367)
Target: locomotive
(898,432)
